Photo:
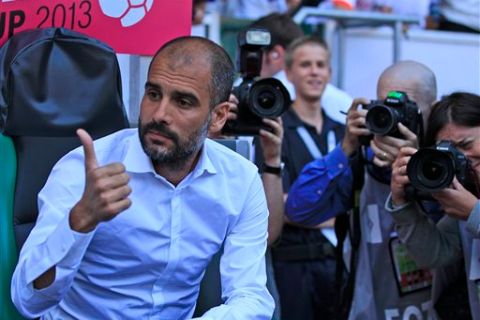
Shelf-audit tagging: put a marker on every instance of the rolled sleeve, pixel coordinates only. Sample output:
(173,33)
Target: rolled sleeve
(62,249)
(431,245)
(322,190)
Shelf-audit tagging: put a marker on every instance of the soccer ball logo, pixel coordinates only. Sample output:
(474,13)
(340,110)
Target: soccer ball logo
(128,11)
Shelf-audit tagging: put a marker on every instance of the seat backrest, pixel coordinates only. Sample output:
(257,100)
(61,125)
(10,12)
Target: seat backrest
(53,81)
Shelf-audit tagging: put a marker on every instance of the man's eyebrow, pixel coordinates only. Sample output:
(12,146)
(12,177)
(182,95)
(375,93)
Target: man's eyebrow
(149,84)
(465,140)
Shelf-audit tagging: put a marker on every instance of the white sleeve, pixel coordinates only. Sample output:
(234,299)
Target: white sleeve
(51,243)
(242,265)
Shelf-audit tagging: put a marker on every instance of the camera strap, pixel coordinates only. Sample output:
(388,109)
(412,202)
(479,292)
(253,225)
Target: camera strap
(312,146)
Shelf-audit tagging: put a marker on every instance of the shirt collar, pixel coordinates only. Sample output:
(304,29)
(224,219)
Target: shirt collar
(206,160)
(136,160)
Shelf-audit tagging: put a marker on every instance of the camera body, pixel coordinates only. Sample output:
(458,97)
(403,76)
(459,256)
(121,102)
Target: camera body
(383,116)
(433,169)
(258,98)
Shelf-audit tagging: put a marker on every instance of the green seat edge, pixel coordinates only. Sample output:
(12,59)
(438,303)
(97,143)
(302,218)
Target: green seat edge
(9,254)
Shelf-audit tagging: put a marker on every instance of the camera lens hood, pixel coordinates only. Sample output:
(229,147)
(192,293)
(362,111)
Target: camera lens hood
(268,98)
(381,120)
(431,170)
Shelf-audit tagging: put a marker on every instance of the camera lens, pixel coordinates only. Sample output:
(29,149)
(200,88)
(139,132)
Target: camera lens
(431,170)
(381,120)
(268,98)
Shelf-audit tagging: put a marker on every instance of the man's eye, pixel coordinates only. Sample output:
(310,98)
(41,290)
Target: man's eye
(153,95)
(184,102)
(465,145)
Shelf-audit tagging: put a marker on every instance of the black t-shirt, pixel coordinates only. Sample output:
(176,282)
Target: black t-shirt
(295,153)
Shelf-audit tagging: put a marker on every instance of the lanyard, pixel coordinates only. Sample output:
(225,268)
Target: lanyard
(310,144)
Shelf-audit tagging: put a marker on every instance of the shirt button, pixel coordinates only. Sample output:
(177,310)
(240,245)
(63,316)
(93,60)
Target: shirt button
(319,192)
(340,165)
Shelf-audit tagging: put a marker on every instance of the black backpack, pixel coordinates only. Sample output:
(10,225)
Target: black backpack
(53,81)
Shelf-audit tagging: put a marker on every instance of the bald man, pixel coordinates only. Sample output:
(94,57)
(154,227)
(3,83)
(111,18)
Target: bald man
(387,284)
(128,223)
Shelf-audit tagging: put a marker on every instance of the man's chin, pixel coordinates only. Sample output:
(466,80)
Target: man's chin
(156,152)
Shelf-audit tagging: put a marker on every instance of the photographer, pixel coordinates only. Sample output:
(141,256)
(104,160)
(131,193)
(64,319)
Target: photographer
(304,258)
(455,118)
(377,292)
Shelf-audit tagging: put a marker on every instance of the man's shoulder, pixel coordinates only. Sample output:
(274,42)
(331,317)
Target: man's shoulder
(229,154)
(290,119)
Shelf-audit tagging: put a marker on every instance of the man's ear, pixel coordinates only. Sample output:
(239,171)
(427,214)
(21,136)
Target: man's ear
(277,53)
(219,117)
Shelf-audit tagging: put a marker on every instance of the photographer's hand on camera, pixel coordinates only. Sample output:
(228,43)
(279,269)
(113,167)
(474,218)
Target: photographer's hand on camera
(455,200)
(232,107)
(386,148)
(232,115)
(399,175)
(355,127)
(272,141)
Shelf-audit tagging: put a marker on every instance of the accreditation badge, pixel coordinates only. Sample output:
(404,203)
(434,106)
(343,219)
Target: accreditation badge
(409,277)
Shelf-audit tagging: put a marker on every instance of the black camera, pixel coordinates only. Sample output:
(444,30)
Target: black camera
(383,116)
(433,168)
(258,98)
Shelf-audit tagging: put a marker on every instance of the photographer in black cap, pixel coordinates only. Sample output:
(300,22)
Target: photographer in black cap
(456,119)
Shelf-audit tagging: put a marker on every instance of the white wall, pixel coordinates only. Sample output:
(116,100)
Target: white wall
(453,57)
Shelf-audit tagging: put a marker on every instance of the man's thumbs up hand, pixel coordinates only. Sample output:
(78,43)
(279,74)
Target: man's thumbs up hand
(106,190)
(90,157)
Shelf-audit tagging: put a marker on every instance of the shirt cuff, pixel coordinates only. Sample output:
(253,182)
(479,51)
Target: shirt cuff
(390,207)
(473,221)
(64,249)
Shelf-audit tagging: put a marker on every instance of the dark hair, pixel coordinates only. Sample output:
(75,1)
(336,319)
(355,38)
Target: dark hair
(460,108)
(283,30)
(222,69)
(311,40)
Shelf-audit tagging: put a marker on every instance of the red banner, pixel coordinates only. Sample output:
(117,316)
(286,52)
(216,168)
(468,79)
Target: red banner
(129,26)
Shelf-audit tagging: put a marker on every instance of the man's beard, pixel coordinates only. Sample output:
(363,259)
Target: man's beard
(183,149)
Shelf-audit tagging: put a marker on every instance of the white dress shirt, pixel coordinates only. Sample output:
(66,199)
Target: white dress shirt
(148,261)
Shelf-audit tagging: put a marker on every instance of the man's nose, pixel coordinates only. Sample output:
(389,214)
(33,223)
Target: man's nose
(162,112)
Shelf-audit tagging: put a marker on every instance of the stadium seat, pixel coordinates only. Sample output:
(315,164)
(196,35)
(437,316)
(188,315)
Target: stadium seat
(52,81)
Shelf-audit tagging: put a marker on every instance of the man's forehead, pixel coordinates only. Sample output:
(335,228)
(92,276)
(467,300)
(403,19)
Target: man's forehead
(184,65)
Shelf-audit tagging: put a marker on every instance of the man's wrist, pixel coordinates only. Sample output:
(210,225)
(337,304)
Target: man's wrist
(273,161)
(395,206)
(348,149)
(276,170)
(80,223)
